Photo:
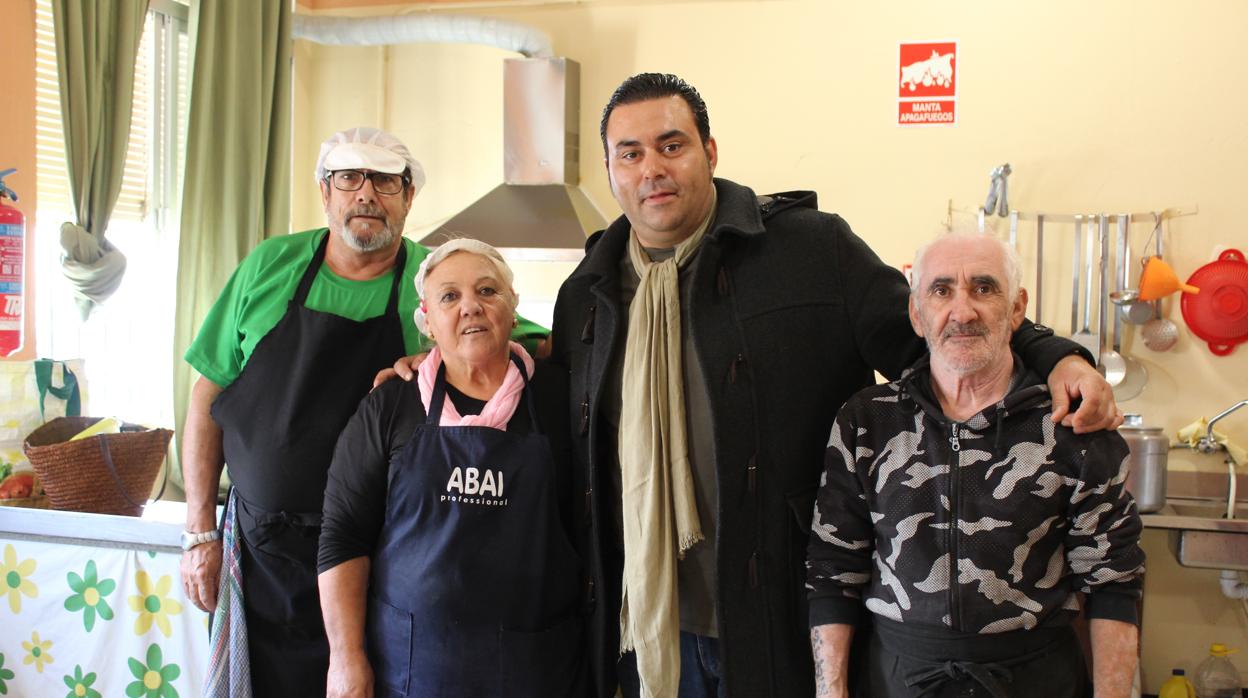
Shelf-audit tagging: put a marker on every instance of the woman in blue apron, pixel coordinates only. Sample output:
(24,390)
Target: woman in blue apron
(446,567)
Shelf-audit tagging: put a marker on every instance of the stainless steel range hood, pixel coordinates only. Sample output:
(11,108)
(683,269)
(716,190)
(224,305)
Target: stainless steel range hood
(538,212)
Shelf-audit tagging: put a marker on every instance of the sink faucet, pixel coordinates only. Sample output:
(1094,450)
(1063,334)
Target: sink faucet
(1207,444)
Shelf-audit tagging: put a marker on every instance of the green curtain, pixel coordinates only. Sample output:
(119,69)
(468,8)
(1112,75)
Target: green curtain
(236,191)
(96,47)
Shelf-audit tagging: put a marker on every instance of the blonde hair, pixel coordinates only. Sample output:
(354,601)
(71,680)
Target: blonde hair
(471,246)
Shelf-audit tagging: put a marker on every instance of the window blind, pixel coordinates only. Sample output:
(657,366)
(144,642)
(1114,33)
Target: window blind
(52,177)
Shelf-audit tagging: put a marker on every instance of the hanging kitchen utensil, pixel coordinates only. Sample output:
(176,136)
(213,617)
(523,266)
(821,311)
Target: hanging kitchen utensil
(1137,312)
(1219,314)
(1158,280)
(1160,333)
(1109,361)
(1074,276)
(1039,267)
(1082,284)
(1133,311)
(1133,382)
(997,195)
(1134,375)
(1003,204)
(994,191)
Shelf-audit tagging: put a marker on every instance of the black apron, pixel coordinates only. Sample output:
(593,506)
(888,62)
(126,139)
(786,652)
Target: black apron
(280,420)
(474,582)
(917,661)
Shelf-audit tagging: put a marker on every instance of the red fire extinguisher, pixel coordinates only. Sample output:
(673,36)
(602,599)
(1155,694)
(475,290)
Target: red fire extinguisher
(12,263)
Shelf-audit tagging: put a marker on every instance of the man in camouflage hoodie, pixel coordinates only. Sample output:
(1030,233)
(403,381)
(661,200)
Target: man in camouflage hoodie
(966,519)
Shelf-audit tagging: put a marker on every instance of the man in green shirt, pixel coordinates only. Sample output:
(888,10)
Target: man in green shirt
(284,356)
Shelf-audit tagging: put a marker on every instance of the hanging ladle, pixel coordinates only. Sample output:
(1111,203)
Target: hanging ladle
(1160,333)
(1134,311)
(1134,375)
(1112,365)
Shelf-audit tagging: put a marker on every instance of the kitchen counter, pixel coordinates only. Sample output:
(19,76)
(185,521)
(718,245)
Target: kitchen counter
(159,528)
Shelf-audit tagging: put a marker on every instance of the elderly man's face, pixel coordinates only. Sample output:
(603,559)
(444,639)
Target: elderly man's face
(365,220)
(962,306)
(660,170)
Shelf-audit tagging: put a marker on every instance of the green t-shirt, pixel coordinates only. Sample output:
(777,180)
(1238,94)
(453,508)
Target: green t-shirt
(257,295)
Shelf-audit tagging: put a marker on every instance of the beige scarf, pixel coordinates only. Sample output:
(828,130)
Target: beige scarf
(660,512)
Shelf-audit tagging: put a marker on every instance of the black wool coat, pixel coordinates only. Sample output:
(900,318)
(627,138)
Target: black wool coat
(790,313)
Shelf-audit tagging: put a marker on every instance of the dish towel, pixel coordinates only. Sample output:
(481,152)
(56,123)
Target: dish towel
(229,666)
(1192,433)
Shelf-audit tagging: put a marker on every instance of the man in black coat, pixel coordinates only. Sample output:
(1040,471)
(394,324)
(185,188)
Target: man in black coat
(754,319)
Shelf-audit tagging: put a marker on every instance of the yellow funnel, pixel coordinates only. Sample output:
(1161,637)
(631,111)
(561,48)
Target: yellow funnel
(1158,280)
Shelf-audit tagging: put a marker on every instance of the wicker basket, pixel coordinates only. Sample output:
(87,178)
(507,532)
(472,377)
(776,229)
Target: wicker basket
(104,474)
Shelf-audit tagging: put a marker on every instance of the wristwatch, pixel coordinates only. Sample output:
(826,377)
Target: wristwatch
(190,540)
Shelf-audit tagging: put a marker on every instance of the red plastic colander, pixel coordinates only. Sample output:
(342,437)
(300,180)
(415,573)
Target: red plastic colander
(1219,313)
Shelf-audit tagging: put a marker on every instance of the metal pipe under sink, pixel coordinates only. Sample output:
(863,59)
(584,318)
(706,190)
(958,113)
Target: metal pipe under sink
(1208,445)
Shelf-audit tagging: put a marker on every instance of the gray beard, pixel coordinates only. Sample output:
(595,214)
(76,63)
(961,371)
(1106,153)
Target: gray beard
(383,239)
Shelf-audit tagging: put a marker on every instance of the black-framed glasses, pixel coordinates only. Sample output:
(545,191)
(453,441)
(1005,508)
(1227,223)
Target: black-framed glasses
(383,182)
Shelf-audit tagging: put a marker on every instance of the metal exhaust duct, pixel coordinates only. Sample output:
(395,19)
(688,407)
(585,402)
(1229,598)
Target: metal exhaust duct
(538,212)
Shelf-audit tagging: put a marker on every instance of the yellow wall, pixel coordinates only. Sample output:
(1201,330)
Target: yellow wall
(1119,105)
(17,133)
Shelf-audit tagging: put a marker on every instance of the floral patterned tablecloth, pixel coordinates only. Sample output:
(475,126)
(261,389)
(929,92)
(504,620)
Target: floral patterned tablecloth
(94,622)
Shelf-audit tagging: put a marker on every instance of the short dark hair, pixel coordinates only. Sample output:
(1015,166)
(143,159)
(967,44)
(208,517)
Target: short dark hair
(647,86)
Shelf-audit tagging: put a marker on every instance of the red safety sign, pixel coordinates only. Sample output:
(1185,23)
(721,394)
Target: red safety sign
(927,83)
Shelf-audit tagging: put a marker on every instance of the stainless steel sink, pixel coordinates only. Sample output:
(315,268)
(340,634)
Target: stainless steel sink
(1204,531)
(1200,535)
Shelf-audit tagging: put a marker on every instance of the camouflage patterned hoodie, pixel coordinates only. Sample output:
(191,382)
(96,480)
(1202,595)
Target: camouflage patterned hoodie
(988,525)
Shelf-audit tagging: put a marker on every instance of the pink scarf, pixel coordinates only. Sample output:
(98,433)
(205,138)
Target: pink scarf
(496,413)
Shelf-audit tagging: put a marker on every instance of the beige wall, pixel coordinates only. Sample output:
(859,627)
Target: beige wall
(1120,105)
(17,134)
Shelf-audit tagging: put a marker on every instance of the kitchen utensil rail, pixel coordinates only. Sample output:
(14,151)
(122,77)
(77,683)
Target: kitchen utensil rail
(1141,217)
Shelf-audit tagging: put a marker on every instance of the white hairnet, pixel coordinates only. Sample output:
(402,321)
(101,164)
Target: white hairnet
(367,148)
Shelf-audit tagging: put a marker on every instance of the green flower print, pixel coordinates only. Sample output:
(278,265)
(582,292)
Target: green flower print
(80,686)
(154,680)
(89,596)
(5,676)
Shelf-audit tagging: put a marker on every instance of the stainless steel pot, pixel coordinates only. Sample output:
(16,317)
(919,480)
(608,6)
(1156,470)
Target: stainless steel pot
(1146,477)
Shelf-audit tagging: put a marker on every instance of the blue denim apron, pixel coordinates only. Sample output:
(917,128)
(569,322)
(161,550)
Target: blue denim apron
(474,582)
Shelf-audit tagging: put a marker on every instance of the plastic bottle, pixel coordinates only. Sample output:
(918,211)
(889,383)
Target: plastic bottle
(1177,686)
(1216,677)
